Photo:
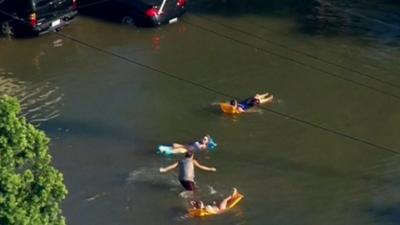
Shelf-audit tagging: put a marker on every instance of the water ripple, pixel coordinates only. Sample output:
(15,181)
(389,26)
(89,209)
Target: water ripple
(39,102)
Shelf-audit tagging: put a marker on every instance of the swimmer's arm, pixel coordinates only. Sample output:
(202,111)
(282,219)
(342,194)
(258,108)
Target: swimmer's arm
(176,145)
(240,109)
(198,165)
(168,168)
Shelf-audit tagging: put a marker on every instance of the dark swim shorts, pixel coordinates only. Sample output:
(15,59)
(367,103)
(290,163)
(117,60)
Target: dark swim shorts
(188,185)
(249,103)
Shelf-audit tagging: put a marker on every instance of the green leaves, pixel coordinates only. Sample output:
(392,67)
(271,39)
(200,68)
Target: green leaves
(31,190)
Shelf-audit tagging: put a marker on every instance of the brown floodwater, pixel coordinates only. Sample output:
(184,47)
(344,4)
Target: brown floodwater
(325,152)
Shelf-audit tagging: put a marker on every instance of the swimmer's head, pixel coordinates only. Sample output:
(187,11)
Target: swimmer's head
(256,101)
(189,154)
(206,139)
(233,102)
(196,204)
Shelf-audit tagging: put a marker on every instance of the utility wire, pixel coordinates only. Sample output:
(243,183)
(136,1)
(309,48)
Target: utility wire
(268,29)
(357,83)
(176,77)
(300,52)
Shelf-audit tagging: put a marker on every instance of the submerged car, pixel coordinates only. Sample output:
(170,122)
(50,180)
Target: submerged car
(35,17)
(139,12)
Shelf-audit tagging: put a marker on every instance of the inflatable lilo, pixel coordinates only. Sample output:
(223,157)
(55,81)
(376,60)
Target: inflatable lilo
(235,107)
(199,209)
(207,143)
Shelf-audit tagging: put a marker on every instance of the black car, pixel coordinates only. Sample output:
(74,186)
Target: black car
(138,12)
(34,17)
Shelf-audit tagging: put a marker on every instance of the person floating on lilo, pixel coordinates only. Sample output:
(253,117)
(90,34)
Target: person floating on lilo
(198,208)
(248,103)
(206,143)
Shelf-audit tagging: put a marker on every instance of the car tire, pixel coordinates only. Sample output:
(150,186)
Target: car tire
(7,29)
(128,20)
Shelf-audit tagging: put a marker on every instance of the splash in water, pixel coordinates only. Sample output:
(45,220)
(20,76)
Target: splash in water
(212,190)
(151,175)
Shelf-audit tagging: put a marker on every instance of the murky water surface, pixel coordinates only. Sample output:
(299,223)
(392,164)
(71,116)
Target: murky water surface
(329,64)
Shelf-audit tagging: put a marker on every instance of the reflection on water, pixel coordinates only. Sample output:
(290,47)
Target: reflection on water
(384,202)
(374,20)
(58,43)
(39,102)
(354,18)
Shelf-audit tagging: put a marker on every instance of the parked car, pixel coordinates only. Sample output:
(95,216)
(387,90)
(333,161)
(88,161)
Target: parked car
(138,12)
(35,17)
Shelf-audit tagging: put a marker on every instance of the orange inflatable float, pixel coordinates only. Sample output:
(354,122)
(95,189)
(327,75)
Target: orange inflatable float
(203,212)
(228,108)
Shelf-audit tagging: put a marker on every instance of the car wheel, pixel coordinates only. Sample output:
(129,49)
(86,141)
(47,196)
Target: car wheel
(7,29)
(128,20)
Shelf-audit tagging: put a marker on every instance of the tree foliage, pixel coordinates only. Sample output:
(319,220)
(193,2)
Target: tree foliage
(31,189)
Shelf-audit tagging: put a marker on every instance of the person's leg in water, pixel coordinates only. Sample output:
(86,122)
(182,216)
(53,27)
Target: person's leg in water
(264,95)
(222,205)
(188,185)
(264,98)
(179,148)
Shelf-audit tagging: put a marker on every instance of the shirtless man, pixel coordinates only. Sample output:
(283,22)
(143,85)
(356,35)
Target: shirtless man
(186,170)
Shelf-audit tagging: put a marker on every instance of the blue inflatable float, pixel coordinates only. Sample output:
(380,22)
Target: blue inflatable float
(169,150)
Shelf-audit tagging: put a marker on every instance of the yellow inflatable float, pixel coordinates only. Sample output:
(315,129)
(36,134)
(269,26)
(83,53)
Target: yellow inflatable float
(203,212)
(228,108)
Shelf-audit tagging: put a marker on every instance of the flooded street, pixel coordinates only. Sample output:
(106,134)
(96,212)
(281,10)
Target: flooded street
(325,152)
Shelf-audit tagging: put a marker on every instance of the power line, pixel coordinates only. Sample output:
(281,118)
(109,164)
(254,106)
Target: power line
(292,60)
(142,65)
(176,77)
(301,52)
(308,42)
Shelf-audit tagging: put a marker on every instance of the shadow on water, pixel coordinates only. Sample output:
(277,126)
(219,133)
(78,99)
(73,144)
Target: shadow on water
(371,20)
(379,21)
(388,213)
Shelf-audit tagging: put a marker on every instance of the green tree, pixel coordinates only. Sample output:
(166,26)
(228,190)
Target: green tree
(31,189)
